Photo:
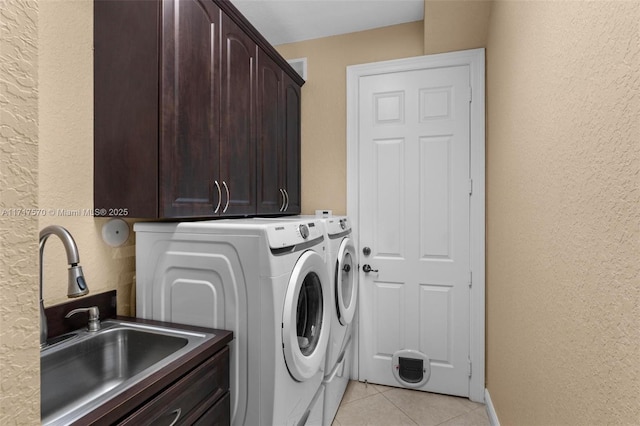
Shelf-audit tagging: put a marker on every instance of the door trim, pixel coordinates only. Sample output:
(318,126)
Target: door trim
(475,59)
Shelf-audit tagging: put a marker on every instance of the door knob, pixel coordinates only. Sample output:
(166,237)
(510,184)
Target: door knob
(366,251)
(367,268)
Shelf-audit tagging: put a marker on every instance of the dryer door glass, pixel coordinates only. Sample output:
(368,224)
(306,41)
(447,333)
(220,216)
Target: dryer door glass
(346,288)
(309,314)
(346,279)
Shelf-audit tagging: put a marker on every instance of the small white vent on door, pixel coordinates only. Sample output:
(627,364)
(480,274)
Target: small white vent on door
(300,65)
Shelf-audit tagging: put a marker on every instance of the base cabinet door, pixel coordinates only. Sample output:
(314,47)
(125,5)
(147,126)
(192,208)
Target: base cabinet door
(185,401)
(218,415)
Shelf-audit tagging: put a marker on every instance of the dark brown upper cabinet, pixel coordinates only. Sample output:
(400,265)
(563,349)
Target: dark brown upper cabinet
(179,127)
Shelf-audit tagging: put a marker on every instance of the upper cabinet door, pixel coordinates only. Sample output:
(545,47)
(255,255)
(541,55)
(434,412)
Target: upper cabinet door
(292,141)
(278,139)
(190,114)
(126,109)
(238,123)
(271,173)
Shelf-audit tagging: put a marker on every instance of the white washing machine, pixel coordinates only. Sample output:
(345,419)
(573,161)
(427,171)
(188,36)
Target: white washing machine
(342,266)
(266,281)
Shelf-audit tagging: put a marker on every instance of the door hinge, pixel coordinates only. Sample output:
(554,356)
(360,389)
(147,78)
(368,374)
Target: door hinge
(470,94)
(470,186)
(469,367)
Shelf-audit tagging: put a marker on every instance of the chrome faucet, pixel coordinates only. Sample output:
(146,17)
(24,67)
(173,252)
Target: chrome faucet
(77,285)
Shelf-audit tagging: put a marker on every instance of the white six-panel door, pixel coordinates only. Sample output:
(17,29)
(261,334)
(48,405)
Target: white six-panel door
(414,189)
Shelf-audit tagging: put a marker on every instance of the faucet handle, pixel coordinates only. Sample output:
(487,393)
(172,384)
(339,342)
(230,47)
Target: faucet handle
(94,316)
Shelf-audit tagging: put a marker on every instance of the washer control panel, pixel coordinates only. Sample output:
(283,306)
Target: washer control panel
(288,234)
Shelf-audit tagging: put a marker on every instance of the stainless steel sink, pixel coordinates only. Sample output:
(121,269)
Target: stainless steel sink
(87,368)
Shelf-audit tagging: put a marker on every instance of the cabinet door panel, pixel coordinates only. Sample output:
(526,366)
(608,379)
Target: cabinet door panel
(238,141)
(270,142)
(218,415)
(188,396)
(292,138)
(191,110)
(126,106)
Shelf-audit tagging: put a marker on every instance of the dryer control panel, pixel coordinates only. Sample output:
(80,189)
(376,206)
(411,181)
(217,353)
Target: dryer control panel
(304,231)
(338,226)
(288,234)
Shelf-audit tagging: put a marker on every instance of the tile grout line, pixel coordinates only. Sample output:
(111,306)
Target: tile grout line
(362,397)
(466,412)
(454,417)
(401,410)
(383,390)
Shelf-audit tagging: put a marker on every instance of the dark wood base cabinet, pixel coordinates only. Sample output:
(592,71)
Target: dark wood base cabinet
(196,115)
(200,397)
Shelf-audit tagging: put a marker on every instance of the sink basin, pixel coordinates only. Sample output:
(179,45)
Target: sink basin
(88,368)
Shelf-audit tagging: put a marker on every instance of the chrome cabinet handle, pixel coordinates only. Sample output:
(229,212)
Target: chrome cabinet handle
(283,199)
(177,413)
(286,207)
(367,268)
(226,188)
(219,197)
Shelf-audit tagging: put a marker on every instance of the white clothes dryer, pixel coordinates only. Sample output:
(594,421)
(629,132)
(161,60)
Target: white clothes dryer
(342,267)
(267,282)
(343,270)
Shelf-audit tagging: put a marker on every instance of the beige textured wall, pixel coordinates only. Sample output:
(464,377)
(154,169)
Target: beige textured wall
(55,164)
(66,155)
(324,147)
(563,208)
(451,25)
(19,334)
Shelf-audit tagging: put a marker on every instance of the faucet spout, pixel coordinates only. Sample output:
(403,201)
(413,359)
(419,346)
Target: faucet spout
(77,285)
(73,258)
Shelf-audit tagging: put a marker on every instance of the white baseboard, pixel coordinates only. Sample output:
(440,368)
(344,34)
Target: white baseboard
(491,411)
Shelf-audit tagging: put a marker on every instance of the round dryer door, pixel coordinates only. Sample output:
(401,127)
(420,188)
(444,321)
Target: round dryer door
(305,320)
(345,281)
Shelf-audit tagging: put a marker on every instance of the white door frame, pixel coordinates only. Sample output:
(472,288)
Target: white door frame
(476,61)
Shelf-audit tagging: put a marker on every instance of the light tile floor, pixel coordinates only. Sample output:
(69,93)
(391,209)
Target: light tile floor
(364,404)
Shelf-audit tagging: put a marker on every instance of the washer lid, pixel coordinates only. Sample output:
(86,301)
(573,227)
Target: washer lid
(346,288)
(305,317)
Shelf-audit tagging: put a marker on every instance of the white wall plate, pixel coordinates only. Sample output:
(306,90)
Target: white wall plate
(115,232)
